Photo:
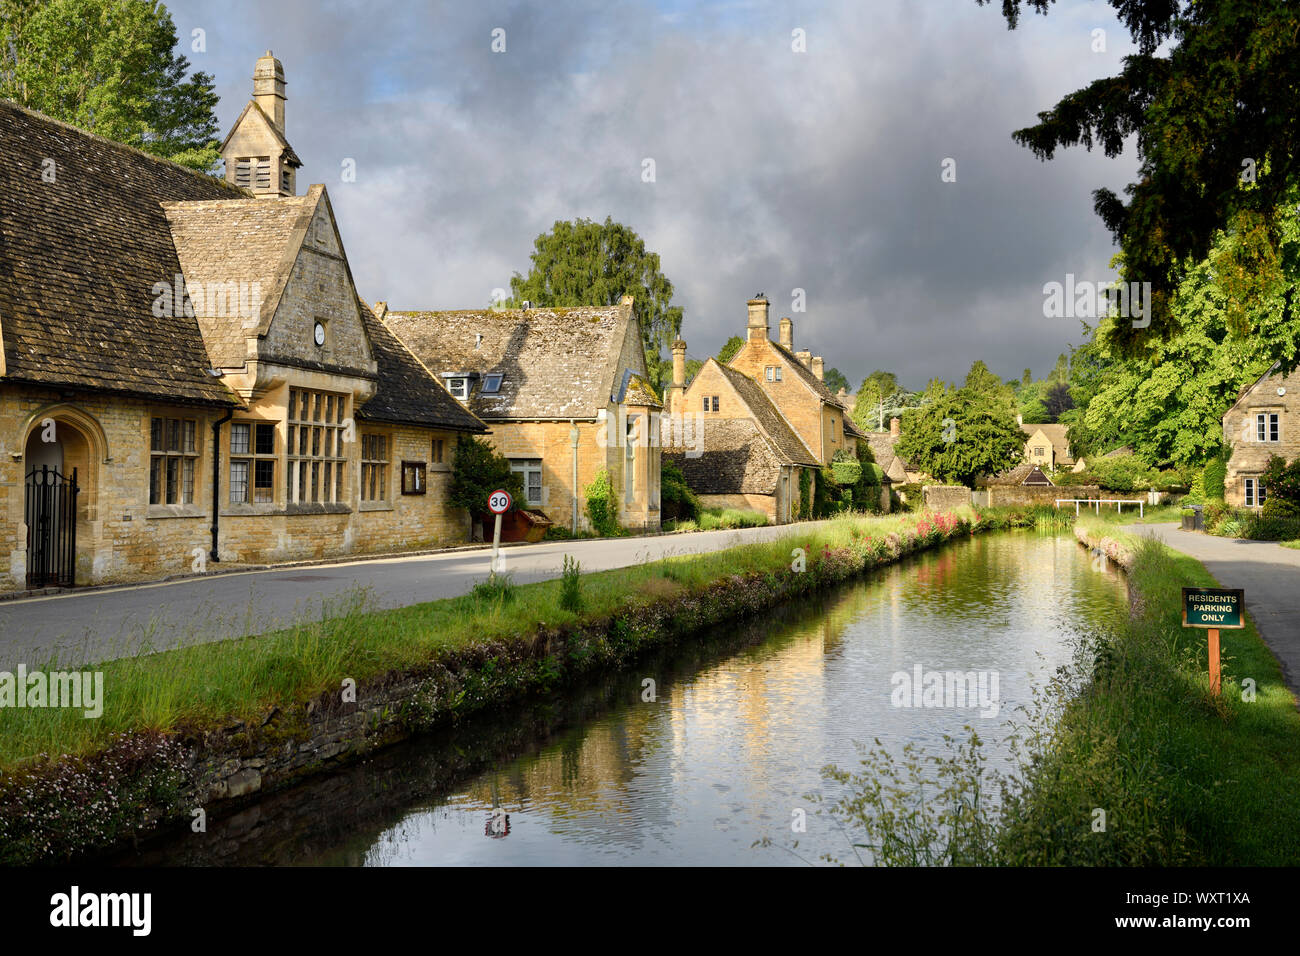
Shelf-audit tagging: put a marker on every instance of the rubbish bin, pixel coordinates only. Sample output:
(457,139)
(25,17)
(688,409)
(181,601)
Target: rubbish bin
(1193,518)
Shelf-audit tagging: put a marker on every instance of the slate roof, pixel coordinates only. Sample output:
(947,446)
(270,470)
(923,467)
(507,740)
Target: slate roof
(238,241)
(882,448)
(1014,476)
(804,372)
(406,393)
(737,458)
(79,258)
(785,441)
(554,362)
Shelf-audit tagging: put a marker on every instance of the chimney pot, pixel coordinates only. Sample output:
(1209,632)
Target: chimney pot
(787,334)
(758,327)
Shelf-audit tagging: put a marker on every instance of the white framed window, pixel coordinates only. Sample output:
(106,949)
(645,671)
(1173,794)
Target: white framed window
(1255,492)
(772,373)
(1267,427)
(459,388)
(530,469)
(629,458)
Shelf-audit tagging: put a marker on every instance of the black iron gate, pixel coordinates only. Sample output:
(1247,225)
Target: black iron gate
(51,528)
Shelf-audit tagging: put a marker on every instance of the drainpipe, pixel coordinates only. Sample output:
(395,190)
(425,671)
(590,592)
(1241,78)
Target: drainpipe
(573,448)
(216,481)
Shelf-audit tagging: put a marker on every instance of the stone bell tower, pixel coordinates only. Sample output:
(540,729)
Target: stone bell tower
(257,155)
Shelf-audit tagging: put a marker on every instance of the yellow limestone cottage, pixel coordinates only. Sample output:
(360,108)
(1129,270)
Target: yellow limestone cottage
(187,373)
(565,393)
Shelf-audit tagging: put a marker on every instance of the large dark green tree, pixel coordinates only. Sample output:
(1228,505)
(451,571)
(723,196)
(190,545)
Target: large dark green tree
(834,379)
(109,67)
(1217,126)
(591,263)
(959,435)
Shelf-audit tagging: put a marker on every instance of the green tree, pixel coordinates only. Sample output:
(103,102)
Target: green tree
(595,264)
(980,382)
(1214,121)
(834,379)
(960,435)
(109,67)
(1057,400)
(1168,402)
(729,349)
(477,471)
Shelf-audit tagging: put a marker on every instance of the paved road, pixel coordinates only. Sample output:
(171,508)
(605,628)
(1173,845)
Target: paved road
(1270,575)
(89,626)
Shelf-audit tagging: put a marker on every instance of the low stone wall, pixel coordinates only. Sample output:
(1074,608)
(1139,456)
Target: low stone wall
(945,497)
(1001,496)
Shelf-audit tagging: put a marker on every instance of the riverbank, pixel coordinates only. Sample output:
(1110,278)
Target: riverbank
(211,726)
(1183,777)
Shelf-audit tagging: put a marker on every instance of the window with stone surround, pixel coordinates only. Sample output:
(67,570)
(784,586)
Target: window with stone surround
(374,467)
(173,458)
(1255,493)
(530,470)
(252,462)
(1267,428)
(437,451)
(316,456)
(413,477)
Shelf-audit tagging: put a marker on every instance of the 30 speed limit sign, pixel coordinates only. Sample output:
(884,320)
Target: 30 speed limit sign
(499,501)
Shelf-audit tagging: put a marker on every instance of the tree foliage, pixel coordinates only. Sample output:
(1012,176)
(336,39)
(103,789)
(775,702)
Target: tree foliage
(834,379)
(729,349)
(960,435)
(109,67)
(477,471)
(1217,127)
(595,264)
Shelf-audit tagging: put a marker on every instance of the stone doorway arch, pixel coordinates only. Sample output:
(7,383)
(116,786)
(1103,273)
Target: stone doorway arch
(66,439)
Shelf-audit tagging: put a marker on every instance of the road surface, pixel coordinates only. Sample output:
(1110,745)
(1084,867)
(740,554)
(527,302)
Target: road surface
(89,626)
(1270,575)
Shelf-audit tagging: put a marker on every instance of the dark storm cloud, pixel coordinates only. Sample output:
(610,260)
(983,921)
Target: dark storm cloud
(775,170)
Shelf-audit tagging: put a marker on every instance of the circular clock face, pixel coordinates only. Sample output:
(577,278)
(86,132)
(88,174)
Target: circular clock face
(320,334)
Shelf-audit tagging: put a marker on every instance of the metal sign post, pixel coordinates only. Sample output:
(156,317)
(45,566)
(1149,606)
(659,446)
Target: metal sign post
(1214,609)
(499,503)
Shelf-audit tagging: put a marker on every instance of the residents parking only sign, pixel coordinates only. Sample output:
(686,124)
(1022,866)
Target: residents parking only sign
(1218,608)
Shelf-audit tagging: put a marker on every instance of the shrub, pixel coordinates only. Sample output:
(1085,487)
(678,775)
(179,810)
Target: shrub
(676,500)
(825,498)
(571,585)
(805,494)
(1260,528)
(1212,479)
(602,509)
(1279,508)
(1282,480)
(496,588)
(477,471)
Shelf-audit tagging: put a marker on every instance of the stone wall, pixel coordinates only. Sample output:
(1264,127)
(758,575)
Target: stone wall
(767,504)
(1002,496)
(945,497)
(121,537)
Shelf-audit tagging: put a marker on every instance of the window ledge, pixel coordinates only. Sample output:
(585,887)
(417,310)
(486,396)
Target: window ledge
(174,511)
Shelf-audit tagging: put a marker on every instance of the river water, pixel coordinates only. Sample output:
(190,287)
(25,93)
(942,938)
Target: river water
(728,750)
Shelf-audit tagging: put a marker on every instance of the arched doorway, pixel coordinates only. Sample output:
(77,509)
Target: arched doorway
(56,459)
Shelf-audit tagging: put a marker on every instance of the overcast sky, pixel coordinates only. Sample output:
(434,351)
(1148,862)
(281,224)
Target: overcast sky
(774,170)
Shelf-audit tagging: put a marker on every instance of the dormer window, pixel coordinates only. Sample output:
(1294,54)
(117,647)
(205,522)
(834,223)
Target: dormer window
(491,384)
(459,388)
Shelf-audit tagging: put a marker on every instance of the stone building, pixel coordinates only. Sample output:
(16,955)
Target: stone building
(746,454)
(884,449)
(565,393)
(793,381)
(1048,446)
(1262,422)
(195,353)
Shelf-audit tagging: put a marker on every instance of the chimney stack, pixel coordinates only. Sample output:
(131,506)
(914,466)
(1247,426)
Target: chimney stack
(818,367)
(758,328)
(805,357)
(677,391)
(895,428)
(268,89)
(787,334)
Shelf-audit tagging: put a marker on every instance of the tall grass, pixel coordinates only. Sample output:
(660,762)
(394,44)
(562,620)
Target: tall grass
(1125,758)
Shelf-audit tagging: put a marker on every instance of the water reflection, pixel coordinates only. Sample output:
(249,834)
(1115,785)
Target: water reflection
(726,752)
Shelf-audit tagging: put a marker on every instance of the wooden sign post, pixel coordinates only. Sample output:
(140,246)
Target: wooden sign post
(1214,609)
(499,503)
